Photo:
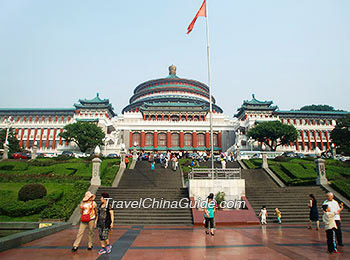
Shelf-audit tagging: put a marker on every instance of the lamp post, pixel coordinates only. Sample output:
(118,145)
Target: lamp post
(96,163)
(251,141)
(134,151)
(264,164)
(6,143)
(122,156)
(35,150)
(320,168)
(334,151)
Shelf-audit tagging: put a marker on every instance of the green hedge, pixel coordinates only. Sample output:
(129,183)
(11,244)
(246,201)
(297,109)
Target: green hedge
(281,174)
(250,164)
(298,171)
(64,208)
(342,186)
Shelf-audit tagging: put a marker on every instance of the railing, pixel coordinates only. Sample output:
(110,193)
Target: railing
(208,173)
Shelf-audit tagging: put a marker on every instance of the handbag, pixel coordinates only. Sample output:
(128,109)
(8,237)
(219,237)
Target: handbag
(85,218)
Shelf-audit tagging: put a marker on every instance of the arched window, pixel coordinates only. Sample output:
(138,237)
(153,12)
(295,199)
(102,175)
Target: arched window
(175,140)
(136,139)
(200,140)
(188,140)
(149,140)
(162,139)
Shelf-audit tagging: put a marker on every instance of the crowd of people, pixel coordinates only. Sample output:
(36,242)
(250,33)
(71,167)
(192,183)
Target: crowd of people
(331,219)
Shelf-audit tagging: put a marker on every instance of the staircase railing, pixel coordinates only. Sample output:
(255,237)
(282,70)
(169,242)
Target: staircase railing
(208,173)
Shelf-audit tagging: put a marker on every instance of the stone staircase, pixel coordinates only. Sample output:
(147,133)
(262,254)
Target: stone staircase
(291,201)
(141,183)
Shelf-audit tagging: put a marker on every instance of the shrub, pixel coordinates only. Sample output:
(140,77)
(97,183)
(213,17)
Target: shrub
(281,174)
(249,164)
(220,197)
(32,191)
(342,186)
(42,162)
(17,208)
(281,159)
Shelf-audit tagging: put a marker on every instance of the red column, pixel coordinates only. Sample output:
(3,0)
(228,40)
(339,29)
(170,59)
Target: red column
(186,117)
(219,139)
(194,140)
(28,136)
(155,139)
(61,137)
(200,118)
(309,140)
(48,138)
(41,138)
(162,117)
(303,140)
(207,139)
(297,144)
(130,139)
(182,139)
(54,138)
(315,137)
(321,140)
(179,117)
(35,133)
(143,137)
(169,117)
(144,117)
(21,140)
(168,139)
(327,139)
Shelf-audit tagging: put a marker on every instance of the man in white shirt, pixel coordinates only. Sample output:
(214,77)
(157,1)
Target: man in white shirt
(335,208)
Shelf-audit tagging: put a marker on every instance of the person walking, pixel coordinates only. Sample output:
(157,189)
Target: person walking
(278,214)
(209,215)
(263,215)
(126,161)
(313,212)
(104,223)
(88,211)
(335,208)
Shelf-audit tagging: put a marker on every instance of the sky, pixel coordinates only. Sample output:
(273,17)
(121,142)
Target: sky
(294,52)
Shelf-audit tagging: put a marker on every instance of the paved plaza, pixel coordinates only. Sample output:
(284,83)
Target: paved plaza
(181,242)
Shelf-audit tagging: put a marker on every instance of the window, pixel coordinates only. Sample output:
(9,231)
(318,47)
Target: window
(149,140)
(136,139)
(162,139)
(200,140)
(188,140)
(175,140)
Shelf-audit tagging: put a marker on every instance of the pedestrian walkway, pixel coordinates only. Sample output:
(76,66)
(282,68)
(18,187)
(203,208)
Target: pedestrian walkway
(183,242)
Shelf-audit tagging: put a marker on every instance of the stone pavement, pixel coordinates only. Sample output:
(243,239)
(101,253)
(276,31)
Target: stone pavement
(183,242)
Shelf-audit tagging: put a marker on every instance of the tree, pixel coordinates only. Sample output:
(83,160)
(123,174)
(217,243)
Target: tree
(340,135)
(85,135)
(273,134)
(13,141)
(319,108)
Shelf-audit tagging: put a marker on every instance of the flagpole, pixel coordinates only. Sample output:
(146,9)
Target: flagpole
(210,95)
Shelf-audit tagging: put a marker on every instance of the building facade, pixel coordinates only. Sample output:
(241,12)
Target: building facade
(167,114)
(313,127)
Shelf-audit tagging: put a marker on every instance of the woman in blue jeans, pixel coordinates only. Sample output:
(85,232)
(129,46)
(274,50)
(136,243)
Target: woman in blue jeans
(209,215)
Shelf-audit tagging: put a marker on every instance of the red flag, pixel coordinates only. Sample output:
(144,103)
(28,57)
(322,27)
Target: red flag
(201,12)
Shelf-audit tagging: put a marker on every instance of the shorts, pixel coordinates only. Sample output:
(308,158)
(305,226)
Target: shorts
(103,233)
(209,222)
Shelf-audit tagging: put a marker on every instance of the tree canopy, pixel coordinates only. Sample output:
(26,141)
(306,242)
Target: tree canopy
(86,135)
(273,133)
(340,135)
(13,141)
(318,108)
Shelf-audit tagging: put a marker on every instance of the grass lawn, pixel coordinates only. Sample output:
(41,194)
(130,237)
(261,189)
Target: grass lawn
(295,171)
(67,180)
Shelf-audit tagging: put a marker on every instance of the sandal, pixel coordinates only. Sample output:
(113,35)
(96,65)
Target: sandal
(74,249)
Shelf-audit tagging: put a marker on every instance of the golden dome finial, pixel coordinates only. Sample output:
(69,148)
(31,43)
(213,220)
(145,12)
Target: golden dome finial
(172,70)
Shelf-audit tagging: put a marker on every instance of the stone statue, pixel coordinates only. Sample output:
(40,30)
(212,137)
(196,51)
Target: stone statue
(172,70)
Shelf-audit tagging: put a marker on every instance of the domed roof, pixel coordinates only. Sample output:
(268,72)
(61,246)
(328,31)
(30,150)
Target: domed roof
(172,91)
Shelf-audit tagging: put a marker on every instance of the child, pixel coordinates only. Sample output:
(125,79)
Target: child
(153,165)
(278,215)
(330,227)
(104,223)
(263,214)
